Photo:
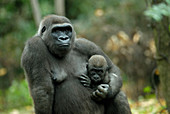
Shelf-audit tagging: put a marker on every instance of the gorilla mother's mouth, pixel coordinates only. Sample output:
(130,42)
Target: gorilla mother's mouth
(64,45)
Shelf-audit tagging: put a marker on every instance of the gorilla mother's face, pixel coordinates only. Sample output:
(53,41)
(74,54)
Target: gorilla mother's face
(58,34)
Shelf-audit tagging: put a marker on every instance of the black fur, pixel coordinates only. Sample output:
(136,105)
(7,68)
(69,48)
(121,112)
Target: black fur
(52,70)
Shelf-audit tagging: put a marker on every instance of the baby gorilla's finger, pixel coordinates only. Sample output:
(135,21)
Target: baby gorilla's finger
(100,94)
(96,97)
(103,88)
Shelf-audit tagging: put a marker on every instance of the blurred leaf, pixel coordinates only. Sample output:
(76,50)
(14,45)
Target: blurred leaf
(156,12)
(3,71)
(147,89)
(18,90)
(136,37)
(168,1)
(99,12)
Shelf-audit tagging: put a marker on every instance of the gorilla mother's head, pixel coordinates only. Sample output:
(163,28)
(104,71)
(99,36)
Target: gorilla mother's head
(58,34)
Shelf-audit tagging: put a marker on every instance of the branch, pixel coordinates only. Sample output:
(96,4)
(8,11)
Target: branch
(36,11)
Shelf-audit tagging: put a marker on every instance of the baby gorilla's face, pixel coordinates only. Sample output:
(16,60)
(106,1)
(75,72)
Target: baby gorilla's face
(96,74)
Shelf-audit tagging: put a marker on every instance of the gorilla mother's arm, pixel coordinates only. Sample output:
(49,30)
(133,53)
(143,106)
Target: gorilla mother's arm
(88,48)
(35,65)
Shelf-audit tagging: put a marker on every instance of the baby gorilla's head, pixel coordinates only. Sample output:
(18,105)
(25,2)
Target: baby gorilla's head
(97,68)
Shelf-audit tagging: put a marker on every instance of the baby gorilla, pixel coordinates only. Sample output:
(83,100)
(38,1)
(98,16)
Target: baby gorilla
(97,71)
(97,75)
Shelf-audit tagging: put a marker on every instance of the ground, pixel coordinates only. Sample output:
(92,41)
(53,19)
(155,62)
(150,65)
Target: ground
(143,106)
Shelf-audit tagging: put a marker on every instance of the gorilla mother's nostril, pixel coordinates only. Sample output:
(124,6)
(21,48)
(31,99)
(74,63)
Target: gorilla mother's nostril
(63,38)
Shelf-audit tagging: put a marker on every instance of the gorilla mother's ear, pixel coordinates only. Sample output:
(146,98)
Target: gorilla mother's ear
(43,30)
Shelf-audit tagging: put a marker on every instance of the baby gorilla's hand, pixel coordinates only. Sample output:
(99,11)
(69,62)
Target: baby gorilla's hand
(101,92)
(85,80)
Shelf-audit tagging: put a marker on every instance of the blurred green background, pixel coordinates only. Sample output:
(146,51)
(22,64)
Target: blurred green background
(119,27)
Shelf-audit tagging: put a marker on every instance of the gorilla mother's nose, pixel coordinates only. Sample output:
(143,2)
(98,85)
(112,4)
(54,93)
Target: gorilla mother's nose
(63,38)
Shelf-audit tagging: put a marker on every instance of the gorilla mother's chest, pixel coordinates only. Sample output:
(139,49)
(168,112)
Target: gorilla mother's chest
(77,63)
(73,65)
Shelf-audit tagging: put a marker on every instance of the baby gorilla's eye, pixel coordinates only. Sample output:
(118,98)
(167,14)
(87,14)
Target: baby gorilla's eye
(92,73)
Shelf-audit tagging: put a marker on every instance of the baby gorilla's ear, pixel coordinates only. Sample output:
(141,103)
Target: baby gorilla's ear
(108,68)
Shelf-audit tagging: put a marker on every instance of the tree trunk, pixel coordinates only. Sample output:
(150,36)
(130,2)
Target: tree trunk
(59,7)
(36,11)
(162,41)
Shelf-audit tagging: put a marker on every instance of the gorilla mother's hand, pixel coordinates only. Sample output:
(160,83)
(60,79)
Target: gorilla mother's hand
(101,92)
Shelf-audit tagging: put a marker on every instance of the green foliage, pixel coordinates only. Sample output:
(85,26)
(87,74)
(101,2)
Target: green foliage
(156,12)
(85,10)
(17,25)
(147,89)
(148,92)
(168,1)
(18,95)
(78,9)
(46,7)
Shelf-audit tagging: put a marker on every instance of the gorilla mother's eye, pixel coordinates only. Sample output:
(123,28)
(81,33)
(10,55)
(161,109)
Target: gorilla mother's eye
(43,29)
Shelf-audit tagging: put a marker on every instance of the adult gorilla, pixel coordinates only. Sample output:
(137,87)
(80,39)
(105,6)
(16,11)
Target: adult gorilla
(53,61)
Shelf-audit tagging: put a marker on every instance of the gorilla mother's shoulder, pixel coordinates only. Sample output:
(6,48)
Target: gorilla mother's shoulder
(86,47)
(33,51)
